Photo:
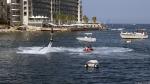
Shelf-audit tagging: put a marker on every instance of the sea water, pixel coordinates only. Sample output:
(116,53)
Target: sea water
(26,58)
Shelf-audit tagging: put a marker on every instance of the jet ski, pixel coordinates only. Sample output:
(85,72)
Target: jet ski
(88,49)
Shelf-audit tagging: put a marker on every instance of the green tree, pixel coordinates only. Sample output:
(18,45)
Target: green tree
(70,19)
(59,18)
(73,18)
(85,19)
(94,19)
(62,18)
(56,18)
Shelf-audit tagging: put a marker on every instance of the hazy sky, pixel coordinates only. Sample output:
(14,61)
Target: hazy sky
(118,11)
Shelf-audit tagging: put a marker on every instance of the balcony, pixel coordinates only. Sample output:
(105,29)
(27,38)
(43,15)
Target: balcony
(13,3)
(16,15)
(15,9)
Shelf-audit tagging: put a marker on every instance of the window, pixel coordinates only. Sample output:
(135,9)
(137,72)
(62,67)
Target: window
(25,13)
(25,2)
(25,8)
(17,1)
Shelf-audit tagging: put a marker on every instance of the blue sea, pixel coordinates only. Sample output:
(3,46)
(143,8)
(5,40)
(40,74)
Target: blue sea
(26,58)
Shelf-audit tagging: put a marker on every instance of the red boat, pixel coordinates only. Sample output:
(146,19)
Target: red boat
(88,49)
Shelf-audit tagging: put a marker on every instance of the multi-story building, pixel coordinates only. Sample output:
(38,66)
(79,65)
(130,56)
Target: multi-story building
(15,12)
(30,12)
(3,13)
(71,8)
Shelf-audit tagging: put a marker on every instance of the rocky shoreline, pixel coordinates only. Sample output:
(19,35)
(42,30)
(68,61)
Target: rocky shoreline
(4,28)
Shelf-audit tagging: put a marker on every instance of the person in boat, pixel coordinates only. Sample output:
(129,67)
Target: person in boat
(88,48)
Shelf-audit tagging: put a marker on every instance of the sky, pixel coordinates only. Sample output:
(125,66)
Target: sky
(118,11)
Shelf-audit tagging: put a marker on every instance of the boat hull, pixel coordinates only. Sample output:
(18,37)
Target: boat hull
(134,36)
(88,50)
(86,39)
(92,64)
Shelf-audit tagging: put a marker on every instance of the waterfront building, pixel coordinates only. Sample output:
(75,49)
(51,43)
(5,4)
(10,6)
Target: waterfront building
(37,12)
(3,13)
(15,12)
(72,8)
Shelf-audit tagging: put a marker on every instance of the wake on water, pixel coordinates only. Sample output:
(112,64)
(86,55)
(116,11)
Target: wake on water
(35,50)
(79,50)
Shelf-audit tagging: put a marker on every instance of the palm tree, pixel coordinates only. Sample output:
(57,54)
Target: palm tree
(67,18)
(56,18)
(94,19)
(73,18)
(62,18)
(59,17)
(85,19)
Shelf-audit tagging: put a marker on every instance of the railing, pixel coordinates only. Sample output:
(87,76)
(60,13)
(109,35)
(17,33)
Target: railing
(15,3)
(39,21)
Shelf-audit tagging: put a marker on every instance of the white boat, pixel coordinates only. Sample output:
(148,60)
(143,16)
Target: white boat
(128,41)
(133,35)
(92,64)
(118,29)
(87,38)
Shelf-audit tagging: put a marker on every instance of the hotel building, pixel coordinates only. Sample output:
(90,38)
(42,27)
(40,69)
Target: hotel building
(34,12)
(3,13)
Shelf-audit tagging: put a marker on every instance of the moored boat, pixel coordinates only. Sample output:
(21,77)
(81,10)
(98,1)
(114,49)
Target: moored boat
(92,64)
(87,38)
(134,35)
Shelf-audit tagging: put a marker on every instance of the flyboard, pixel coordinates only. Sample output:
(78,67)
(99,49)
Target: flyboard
(51,40)
(37,50)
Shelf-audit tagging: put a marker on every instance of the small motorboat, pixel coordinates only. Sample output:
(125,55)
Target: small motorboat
(128,41)
(87,38)
(88,49)
(92,64)
(134,35)
(118,29)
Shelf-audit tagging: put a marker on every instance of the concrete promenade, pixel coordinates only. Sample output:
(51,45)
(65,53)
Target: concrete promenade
(55,29)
